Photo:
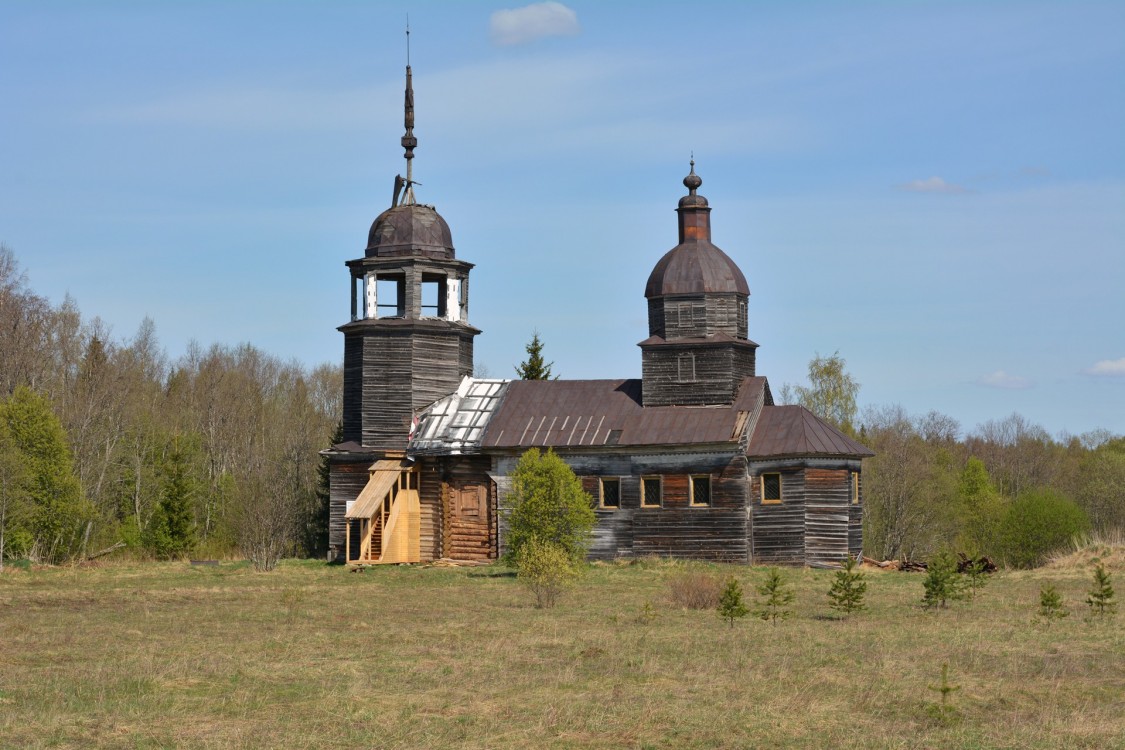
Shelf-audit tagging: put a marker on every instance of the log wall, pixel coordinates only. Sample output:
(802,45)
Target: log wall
(469,523)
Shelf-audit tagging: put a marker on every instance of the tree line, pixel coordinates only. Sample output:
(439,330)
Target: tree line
(1006,489)
(106,440)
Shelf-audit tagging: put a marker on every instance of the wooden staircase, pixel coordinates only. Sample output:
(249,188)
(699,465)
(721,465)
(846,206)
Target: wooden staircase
(389,517)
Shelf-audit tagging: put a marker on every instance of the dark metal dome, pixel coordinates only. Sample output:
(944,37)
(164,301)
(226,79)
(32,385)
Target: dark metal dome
(695,268)
(413,229)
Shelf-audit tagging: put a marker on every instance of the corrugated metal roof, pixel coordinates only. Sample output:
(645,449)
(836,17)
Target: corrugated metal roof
(796,431)
(572,413)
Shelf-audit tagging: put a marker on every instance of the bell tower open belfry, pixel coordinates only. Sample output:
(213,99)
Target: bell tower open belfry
(408,342)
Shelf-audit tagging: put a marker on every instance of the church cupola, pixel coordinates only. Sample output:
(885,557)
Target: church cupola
(697,351)
(409,341)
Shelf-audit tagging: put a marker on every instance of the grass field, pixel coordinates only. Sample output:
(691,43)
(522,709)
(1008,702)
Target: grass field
(313,656)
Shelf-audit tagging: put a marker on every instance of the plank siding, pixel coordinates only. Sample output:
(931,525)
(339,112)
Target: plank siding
(779,530)
(677,529)
(711,376)
(345,482)
(827,512)
(855,523)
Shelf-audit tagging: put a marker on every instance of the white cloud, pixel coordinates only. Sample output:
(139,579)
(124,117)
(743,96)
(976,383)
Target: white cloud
(1108,367)
(1001,379)
(531,22)
(932,185)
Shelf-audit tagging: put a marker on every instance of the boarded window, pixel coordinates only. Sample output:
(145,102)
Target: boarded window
(611,493)
(470,504)
(650,492)
(686,367)
(854,488)
(771,488)
(701,490)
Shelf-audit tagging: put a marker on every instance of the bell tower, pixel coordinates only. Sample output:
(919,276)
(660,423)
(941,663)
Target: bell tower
(697,352)
(408,342)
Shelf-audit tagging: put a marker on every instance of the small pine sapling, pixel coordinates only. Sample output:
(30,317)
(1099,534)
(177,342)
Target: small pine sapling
(941,582)
(1100,598)
(944,712)
(730,602)
(1051,604)
(975,577)
(775,596)
(848,588)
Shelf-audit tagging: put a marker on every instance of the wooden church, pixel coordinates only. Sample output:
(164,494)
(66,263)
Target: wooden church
(693,460)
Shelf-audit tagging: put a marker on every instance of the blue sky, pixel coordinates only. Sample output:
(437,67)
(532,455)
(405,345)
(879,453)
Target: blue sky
(935,190)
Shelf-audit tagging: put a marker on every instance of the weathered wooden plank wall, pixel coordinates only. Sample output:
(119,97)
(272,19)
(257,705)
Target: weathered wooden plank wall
(676,529)
(345,482)
(827,504)
(855,522)
(779,530)
(694,376)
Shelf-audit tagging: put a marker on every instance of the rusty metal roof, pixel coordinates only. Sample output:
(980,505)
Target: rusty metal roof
(796,431)
(573,413)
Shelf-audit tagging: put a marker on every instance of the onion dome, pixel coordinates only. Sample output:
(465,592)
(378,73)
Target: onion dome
(695,266)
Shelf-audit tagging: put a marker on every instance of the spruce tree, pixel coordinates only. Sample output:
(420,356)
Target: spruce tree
(775,596)
(171,532)
(57,511)
(534,368)
(731,606)
(848,588)
(1100,598)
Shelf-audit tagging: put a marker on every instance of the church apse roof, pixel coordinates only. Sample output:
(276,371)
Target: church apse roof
(796,431)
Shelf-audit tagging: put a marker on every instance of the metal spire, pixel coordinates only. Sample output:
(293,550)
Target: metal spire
(409,142)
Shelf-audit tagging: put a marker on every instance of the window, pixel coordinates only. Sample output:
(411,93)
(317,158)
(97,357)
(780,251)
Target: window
(771,488)
(854,488)
(684,309)
(651,494)
(611,493)
(701,490)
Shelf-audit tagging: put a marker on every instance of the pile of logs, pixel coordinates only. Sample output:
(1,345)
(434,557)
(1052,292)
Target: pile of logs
(964,562)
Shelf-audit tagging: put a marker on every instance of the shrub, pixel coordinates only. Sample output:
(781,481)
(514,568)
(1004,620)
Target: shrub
(545,568)
(848,588)
(1035,524)
(730,603)
(548,503)
(695,590)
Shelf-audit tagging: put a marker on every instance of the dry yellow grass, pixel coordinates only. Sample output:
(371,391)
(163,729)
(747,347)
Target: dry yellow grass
(311,656)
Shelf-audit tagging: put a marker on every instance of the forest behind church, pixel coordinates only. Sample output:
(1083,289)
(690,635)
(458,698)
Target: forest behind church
(106,440)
